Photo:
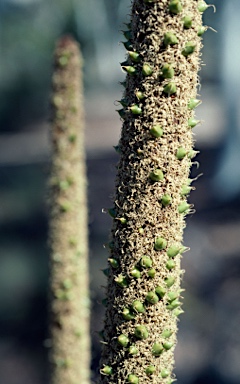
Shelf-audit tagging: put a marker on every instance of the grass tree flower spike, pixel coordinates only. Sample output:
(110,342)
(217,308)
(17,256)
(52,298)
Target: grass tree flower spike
(152,186)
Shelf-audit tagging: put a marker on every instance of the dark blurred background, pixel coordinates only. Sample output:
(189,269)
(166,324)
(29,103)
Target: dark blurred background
(209,339)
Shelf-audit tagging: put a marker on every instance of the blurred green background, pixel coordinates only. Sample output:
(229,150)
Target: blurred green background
(209,339)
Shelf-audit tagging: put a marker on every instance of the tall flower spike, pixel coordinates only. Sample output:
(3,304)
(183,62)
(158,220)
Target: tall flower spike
(151,188)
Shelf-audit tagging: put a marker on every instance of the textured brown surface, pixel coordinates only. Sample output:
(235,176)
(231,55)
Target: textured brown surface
(137,198)
(68,223)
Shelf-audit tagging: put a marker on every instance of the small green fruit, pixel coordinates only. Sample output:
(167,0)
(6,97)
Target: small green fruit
(177,311)
(201,31)
(174,304)
(170,265)
(164,373)
(106,271)
(160,291)
(173,250)
(128,45)
(168,345)
(138,306)
(123,340)
(175,6)
(114,263)
(147,70)
(170,281)
(127,314)
(181,153)
(160,244)
(156,131)
(193,122)
(141,332)
(167,71)
(170,88)
(134,56)
(107,370)
(187,22)
(132,350)
(129,69)
(151,272)
(202,6)
(189,48)
(132,379)
(152,297)
(166,200)
(150,370)
(135,109)
(183,207)
(139,95)
(157,175)
(112,212)
(157,349)
(127,34)
(186,189)
(135,272)
(193,103)
(121,112)
(121,281)
(167,333)
(170,39)
(172,296)
(146,262)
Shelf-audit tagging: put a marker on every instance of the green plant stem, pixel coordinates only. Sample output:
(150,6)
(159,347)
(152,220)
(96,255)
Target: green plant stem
(69,322)
(150,168)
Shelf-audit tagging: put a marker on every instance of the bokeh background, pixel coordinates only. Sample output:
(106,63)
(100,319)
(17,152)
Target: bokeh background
(209,339)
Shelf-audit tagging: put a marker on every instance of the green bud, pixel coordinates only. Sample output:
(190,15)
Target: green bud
(160,244)
(117,148)
(132,350)
(135,272)
(114,263)
(193,122)
(141,332)
(167,71)
(146,262)
(123,102)
(138,306)
(170,264)
(201,31)
(177,311)
(156,131)
(141,231)
(181,153)
(152,297)
(192,154)
(189,48)
(157,349)
(167,333)
(160,291)
(135,109)
(170,281)
(147,70)
(122,220)
(166,200)
(168,345)
(129,69)
(170,39)
(134,56)
(140,95)
(151,272)
(174,304)
(121,281)
(127,314)
(107,370)
(106,271)
(187,22)
(193,103)
(123,340)
(175,6)
(173,250)
(183,207)
(170,88)
(121,112)
(127,34)
(132,379)
(164,373)
(172,296)
(150,370)
(112,212)
(156,175)
(186,189)
(127,45)
(202,6)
